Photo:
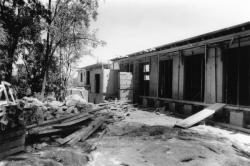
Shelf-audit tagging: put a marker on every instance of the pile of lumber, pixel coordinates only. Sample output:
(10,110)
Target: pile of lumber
(11,142)
(72,128)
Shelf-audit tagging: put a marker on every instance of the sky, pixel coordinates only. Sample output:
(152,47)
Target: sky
(129,26)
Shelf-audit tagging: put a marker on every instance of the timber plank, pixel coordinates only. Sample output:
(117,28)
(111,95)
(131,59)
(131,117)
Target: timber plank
(73,122)
(88,131)
(54,131)
(72,138)
(203,114)
(19,141)
(50,122)
(12,151)
(6,136)
(69,137)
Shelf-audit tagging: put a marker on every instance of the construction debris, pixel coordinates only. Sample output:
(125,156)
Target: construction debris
(72,128)
(37,112)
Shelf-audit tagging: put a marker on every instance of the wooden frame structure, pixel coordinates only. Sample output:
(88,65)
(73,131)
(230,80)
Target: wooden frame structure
(213,46)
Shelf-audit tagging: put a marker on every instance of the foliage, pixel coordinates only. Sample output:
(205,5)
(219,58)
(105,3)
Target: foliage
(56,43)
(20,20)
(69,35)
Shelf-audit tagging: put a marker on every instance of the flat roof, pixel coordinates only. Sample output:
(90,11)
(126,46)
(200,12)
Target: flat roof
(97,65)
(206,36)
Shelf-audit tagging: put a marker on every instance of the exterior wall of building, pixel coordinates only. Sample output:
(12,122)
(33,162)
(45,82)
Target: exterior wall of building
(108,85)
(81,77)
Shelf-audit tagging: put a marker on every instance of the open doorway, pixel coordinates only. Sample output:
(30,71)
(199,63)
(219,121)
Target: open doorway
(165,78)
(237,76)
(97,83)
(194,78)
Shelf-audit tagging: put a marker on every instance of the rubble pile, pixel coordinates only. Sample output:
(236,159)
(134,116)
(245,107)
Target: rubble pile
(81,121)
(37,112)
(121,109)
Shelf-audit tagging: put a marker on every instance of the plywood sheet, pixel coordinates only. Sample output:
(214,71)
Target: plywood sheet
(203,114)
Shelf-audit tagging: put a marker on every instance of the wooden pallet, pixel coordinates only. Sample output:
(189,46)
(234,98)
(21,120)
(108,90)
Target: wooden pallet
(203,114)
(12,142)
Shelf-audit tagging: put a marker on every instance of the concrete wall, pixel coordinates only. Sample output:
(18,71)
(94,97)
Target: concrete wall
(110,82)
(83,82)
(108,85)
(92,80)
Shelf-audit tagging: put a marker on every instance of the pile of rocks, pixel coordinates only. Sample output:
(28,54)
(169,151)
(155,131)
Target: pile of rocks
(36,111)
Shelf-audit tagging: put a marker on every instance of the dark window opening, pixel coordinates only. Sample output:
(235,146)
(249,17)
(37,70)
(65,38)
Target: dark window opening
(237,76)
(81,77)
(97,83)
(165,79)
(194,77)
(88,78)
(144,79)
(131,66)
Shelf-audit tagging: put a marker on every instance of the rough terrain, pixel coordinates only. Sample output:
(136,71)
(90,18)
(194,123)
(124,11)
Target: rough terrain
(144,138)
(148,139)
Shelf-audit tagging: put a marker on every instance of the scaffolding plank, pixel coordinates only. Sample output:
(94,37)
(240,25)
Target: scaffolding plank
(203,114)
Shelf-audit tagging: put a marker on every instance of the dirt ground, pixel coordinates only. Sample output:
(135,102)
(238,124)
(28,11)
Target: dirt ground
(147,139)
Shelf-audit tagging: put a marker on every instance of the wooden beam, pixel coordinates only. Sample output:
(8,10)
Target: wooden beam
(227,107)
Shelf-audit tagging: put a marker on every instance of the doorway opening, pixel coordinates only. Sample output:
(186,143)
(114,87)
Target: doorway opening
(237,76)
(194,77)
(97,83)
(165,78)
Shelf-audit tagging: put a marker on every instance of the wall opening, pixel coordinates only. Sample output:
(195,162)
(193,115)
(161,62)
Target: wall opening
(88,78)
(194,77)
(144,70)
(81,77)
(237,76)
(165,79)
(97,83)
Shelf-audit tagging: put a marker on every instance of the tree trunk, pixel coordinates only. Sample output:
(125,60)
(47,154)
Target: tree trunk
(44,84)
(46,63)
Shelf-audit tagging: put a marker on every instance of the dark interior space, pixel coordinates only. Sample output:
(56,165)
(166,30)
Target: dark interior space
(97,83)
(194,77)
(144,70)
(81,77)
(88,78)
(165,78)
(237,76)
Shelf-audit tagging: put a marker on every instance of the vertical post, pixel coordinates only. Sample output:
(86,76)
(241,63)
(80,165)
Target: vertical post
(215,70)
(202,70)
(205,59)
(179,65)
(238,73)
(158,75)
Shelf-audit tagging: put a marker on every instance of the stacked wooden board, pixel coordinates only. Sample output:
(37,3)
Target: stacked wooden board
(72,129)
(12,142)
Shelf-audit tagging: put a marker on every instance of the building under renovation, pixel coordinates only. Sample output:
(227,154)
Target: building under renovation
(99,80)
(187,75)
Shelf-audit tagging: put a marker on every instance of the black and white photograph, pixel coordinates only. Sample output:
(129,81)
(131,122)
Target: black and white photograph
(124,83)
